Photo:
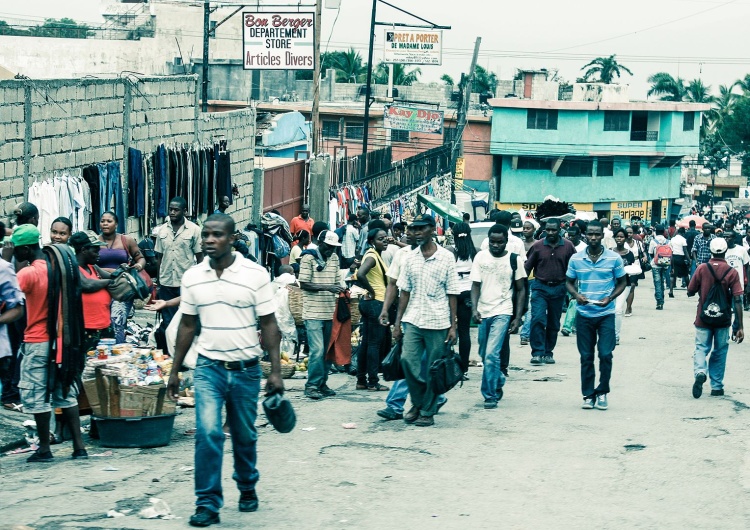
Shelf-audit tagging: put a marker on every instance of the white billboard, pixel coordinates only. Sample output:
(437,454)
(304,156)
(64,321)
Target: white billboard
(412,46)
(278,41)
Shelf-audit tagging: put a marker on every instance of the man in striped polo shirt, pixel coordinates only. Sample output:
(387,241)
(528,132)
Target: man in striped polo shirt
(600,276)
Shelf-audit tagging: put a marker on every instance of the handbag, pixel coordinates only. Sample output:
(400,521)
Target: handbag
(343,313)
(392,369)
(645,265)
(128,285)
(446,372)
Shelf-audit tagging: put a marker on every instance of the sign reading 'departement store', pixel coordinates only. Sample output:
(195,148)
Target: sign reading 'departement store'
(411,46)
(414,119)
(278,41)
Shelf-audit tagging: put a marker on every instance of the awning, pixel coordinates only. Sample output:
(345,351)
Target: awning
(442,208)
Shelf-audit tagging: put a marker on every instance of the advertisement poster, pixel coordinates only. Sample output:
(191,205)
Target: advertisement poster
(412,46)
(415,119)
(278,41)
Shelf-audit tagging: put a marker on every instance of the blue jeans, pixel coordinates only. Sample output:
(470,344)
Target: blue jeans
(318,339)
(216,386)
(160,178)
(595,333)
(400,389)
(526,328)
(492,333)
(119,312)
(113,191)
(717,359)
(546,309)
(661,276)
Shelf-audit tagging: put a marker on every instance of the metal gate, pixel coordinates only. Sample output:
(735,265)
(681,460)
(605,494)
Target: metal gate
(285,188)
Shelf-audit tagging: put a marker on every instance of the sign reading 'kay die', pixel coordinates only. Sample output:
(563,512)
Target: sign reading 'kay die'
(411,46)
(278,41)
(416,119)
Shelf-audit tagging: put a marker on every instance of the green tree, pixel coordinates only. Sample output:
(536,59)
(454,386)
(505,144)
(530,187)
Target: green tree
(401,77)
(605,69)
(722,104)
(484,81)
(7,29)
(743,84)
(348,65)
(448,80)
(65,28)
(668,88)
(734,131)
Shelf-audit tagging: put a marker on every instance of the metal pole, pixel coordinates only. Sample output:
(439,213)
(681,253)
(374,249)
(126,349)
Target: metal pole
(206,29)
(366,124)
(458,146)
(389,95)
(316,78)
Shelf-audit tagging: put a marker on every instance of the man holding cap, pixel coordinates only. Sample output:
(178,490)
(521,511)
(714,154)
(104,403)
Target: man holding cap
(716,331)
(319,280)
(302,222)
(35,364)
(427,307)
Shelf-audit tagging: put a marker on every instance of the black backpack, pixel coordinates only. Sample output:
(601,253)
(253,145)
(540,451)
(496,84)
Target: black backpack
(716,311)
(152,263)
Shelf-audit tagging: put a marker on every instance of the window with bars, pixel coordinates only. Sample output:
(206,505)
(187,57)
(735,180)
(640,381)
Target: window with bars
(541,119)
(576,167)
(616,120)
(688,121)
(605,167)
(399,136)
(355,130)
(330,129)
(527,162)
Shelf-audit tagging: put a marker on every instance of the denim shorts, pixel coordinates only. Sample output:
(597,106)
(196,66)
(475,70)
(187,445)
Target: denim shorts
(33,383)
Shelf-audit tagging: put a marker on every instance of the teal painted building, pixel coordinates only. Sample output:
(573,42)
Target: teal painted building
(613,158)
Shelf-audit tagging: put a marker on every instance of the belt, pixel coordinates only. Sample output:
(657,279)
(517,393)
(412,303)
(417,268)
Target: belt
(551,284)
(239,365)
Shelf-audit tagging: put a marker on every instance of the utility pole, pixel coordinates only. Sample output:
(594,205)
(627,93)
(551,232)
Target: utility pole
(366,124)
(316,78)
(206,29)
(458,144)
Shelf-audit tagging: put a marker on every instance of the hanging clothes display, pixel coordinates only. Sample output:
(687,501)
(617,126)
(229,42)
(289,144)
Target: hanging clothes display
(136,195)
(61,195)
(348,200)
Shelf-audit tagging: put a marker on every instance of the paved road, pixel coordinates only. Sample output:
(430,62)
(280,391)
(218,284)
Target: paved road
(656,459)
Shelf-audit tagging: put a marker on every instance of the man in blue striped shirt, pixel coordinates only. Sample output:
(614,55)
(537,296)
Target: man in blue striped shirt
(601,278)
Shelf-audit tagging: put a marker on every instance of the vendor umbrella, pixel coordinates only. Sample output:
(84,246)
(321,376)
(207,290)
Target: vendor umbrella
(685,221)
(442,208)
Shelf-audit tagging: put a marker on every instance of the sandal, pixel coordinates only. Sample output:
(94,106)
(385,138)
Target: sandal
(16,407)
(378,388)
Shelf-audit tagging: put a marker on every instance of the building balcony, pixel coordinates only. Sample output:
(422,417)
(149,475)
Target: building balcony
(644,136)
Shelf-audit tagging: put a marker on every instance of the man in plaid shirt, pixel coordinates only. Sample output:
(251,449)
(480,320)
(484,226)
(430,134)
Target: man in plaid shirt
(701,245)
(427,307)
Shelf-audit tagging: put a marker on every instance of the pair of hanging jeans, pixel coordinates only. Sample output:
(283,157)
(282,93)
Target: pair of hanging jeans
(160,181)
(110,189)
(136,183)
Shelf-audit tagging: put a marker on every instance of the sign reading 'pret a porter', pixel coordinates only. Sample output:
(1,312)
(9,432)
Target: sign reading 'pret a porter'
(278,41)
(411,46)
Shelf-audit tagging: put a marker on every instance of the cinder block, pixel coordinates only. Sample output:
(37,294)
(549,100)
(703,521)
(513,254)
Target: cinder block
(46,146)
(37,164)
(17,186)
(5,188)
(17,113)
(17,150)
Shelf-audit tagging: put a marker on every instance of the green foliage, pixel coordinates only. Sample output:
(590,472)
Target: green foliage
(448,80)
(64,28)
(604,70)
(668,88)
(401,76)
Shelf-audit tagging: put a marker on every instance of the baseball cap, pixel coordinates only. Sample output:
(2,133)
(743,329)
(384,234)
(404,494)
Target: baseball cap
(329,237)
(516,225)
(86,238)
(423,220)
(25,235)
(718,246)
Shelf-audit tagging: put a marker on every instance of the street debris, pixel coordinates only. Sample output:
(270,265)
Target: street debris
(158,510)
(349,425)
(115,513)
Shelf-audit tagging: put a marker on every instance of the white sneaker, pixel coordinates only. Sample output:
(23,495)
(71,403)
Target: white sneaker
(601,402)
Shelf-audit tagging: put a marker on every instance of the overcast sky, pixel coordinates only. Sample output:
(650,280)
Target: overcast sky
(689,38)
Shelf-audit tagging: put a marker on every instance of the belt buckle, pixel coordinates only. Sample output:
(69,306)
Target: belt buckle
(226,365)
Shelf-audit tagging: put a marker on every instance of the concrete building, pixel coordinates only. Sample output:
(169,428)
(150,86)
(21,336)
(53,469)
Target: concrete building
(599,151)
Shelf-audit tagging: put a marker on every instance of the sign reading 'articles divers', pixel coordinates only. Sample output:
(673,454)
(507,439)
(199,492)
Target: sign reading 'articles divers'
(411,46)
(278,41)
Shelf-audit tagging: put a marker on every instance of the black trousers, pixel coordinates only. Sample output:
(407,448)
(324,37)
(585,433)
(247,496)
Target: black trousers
(463,315)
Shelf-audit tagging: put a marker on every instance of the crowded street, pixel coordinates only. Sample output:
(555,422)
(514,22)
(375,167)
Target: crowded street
(654,459)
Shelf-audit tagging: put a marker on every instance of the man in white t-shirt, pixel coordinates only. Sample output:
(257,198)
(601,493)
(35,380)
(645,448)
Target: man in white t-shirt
(515,244)
(736,256)
(680,260)
(494,284)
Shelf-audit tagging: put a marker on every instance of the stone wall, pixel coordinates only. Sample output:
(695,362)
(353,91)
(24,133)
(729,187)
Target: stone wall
(57,125)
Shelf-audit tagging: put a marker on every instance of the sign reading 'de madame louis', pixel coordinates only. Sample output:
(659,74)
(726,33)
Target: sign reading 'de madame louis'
(411,46)
(278,41)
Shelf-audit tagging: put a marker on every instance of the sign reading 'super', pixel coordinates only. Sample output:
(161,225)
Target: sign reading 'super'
(278,41)
(411,46)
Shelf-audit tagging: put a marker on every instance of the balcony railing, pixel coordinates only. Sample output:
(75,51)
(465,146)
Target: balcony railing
(644,136)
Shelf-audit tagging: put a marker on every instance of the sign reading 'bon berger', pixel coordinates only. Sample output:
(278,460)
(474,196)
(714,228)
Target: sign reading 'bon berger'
(278,41)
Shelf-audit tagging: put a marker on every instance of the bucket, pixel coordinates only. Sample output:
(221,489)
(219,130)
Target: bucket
(139,432)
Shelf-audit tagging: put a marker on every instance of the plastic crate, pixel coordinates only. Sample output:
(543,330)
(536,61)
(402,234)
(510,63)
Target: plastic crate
(140,432)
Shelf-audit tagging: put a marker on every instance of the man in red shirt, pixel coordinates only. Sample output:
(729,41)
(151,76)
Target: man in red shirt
(35,364)
(302,222)
(715,333)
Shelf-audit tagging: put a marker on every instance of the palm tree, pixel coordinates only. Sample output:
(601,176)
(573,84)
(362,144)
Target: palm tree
(348,65)
(667,87)
(744,84)
(607,69)
(484,81)
(401,77)
(722,104)
(448,80)
(697,92)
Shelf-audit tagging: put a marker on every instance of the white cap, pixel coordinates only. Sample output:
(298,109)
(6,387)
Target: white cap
(718,246)
(329,237)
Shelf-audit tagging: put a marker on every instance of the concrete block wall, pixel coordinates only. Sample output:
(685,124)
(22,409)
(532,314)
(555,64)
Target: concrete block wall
(58,125)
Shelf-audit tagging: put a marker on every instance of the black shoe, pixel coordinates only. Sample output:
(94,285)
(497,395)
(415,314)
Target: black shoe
(504,371)
(671,295)
(548,359)
(700,378)
(537,359)
(499,392)
(327,392)
(313,393)
(659,306)
(565,332)
(248,501)
(40,457)
(389,414)
(412,415)
(440,405)
(717,392)
(80,454)
(204,517)
(490,403)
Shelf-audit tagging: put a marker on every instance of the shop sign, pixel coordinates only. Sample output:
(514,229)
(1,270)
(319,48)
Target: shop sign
(628,210)
(415,119)
(278,41)
(531,207)
(458,176)
(413,46)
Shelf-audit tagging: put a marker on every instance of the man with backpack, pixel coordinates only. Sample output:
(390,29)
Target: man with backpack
(719,288)
(661,253)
